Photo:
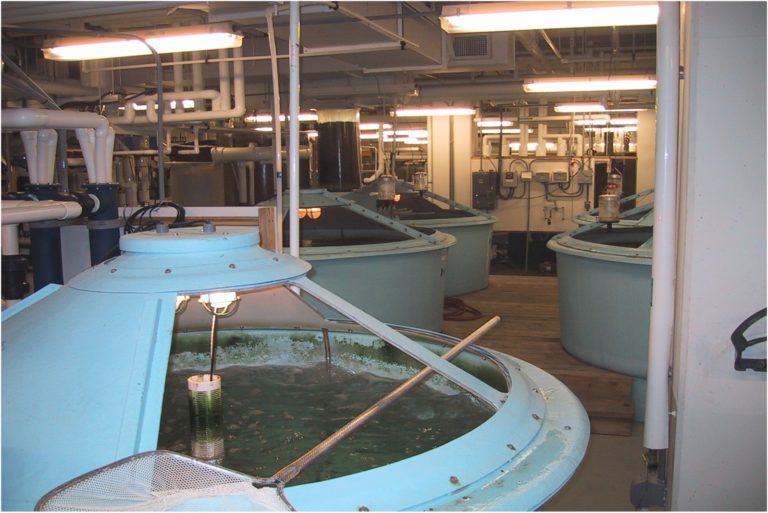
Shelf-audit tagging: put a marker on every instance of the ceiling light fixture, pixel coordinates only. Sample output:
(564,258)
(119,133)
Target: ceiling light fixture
(490,123)
(166,40)
(439,111)
(597,83)
(267,118)
(506,16)
(579,107)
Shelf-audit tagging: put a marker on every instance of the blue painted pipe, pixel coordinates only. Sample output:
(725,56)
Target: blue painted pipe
(45,238)
(104,224)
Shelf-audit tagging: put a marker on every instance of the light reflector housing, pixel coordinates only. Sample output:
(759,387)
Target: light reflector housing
(167,40)
(507,16)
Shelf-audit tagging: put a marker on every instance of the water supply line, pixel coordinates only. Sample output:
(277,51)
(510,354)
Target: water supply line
(277,166)
(293,129)
(660,337)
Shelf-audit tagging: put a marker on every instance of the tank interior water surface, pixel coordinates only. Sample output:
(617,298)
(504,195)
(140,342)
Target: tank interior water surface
(275,411)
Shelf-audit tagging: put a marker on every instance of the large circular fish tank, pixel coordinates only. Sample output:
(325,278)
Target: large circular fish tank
(84,395)
(604,278)
(394,272)
(469,261)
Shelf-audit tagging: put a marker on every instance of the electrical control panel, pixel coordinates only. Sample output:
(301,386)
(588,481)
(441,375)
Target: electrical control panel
(584,175)
(526,176)
(560,176)
(514,173)
(484,190)
(542,176)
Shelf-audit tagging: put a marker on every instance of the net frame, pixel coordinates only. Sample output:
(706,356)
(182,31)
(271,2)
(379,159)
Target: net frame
(160,480)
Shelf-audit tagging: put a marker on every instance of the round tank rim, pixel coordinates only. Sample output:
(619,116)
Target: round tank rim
(444,241)
(567,244)
(451,222)
(561,415)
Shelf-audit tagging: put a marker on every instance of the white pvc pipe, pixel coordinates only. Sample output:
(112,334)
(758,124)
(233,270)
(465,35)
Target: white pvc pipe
(224,98)
(523,133)
(656,433)
(238,79)
(46,155)
(293,128)
(250,153)
(198,83)
(85,137)
(58,119)
(29,139)
(178,78)
(33,211)
(10,239)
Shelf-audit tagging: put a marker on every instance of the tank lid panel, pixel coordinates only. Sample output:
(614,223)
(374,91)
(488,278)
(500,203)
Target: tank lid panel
(190,240)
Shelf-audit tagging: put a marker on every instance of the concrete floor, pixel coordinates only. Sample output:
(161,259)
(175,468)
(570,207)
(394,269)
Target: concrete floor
(602,481)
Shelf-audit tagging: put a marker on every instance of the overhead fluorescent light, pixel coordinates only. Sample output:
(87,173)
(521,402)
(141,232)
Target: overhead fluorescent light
(492,131)
(373,135)
(374,126)
(267,118)
(167,40)
(597,83)
(614,129)
(409,132)
(507,16)
(626,110)
(490,123)
(579,107)
(439,111)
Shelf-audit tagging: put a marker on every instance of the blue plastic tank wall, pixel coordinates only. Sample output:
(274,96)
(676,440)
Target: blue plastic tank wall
(605,308)
(392,284)
(469,260)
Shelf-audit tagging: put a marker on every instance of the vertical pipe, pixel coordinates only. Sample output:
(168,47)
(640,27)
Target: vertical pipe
(225,100)
(660,335)
(523,132)
(61,162)
(451,184)
(277,135)
(178,80)
(198,84)
(293,129)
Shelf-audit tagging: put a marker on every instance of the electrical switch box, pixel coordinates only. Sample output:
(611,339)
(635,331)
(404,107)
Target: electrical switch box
(584,175)
(560,176)
(542,176)
(484,190)
(526,176)
(510,179)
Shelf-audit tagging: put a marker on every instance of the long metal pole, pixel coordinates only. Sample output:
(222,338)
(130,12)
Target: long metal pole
(277,160)
(293,129)
(656,435)
(294,468)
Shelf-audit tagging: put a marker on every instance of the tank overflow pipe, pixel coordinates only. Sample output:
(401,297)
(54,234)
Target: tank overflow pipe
(661,330)
(294,468)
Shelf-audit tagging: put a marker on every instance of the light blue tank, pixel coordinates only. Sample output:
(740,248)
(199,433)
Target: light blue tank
(470,259)
(84,368)
(605,299)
